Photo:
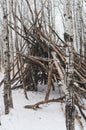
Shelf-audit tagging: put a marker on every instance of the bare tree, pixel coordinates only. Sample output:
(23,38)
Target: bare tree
(11,40)
(78,26)
(84,21)
(7,84)
(68,36)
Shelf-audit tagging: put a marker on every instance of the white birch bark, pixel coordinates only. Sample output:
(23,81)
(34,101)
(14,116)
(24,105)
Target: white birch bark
(78,26)
(7,84)
(11,43)
(84,26)
(68,36)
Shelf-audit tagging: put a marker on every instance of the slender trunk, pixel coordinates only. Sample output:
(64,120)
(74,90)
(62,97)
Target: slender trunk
(68,36)
(11,35)
(14,11)
(7,84)
(79,25)
(85,44)
(0,57)
(84,21)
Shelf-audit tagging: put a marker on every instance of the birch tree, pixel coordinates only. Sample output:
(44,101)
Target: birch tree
(11,40)
(68,36)
(78,25)
(84,24)
(7,85)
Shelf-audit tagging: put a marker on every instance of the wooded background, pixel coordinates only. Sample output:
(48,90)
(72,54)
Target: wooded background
(45,42)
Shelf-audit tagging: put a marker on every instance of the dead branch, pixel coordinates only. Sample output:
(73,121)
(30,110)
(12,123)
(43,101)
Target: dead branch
(34,106)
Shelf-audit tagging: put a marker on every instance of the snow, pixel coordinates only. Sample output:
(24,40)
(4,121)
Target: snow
(48,117)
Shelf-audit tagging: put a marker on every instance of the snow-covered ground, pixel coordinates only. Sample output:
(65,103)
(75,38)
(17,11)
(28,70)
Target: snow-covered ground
(48,117)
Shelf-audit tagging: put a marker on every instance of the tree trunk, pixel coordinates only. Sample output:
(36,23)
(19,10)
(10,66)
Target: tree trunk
(78,25)
(11,41)
(84,21)
(68,36)
(7,85)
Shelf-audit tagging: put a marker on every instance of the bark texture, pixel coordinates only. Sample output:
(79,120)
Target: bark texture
(68,36)
(7,84)
(84,24)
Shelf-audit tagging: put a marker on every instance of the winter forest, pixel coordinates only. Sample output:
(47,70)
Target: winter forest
(42,64)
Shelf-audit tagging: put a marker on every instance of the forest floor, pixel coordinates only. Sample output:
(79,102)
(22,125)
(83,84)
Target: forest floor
(48,117)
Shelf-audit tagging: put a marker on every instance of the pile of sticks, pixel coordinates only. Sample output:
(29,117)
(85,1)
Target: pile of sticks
(41,59)
(45,63)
